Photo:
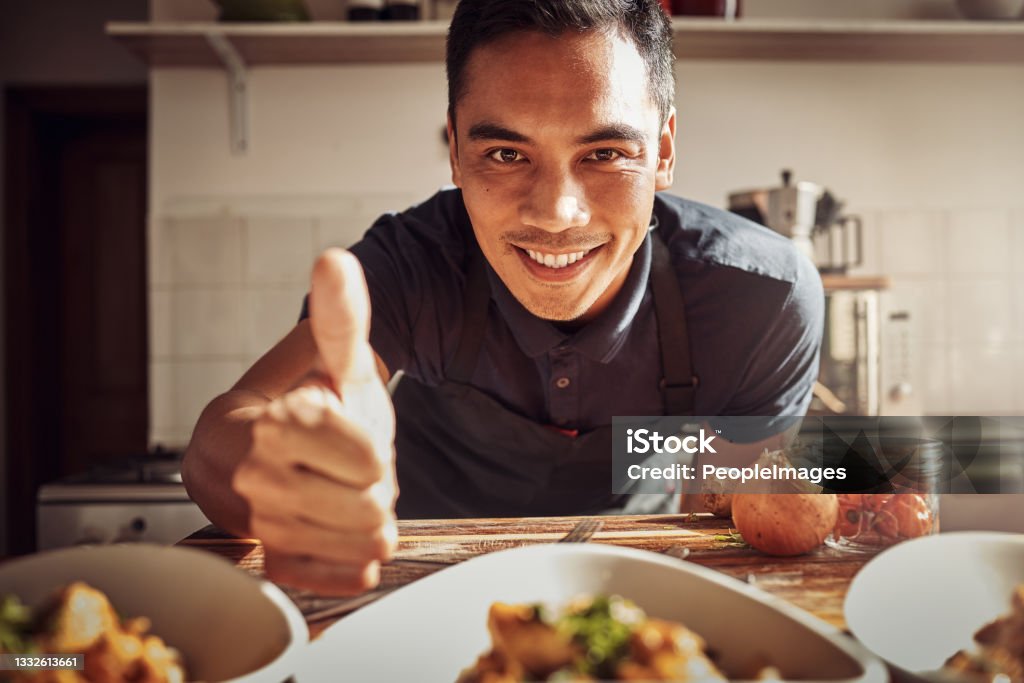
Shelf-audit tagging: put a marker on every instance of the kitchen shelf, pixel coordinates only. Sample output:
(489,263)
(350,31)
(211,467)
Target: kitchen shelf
(176,44)
(238,47)
(835,283)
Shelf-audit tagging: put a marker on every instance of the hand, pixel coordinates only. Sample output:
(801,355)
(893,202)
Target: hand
(319,478)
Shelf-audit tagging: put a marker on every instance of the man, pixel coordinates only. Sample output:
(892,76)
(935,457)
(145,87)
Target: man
(549,292)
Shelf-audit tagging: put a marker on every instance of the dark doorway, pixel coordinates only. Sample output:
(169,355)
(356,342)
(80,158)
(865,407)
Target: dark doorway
(75,261)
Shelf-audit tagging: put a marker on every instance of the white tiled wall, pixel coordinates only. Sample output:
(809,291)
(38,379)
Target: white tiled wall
(958,273)
(228,282)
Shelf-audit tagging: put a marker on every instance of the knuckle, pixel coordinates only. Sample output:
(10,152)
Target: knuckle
(374,509)
(379,545)
(305,406)
(266,433)
(367,577)
(246,481)
(262,488)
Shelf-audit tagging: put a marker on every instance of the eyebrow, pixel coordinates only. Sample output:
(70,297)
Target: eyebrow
(615,131)
(494,131)
(487,130)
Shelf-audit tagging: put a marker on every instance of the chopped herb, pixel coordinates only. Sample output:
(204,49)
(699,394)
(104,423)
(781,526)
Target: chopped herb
(15,625)
(602,629)
(733,539)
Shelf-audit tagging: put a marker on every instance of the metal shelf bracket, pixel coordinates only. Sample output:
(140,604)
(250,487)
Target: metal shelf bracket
(238,90)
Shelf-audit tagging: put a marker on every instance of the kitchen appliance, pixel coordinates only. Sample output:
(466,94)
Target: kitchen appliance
(129,500)
(850,380)
(867,360)
(850,354)
(811,216)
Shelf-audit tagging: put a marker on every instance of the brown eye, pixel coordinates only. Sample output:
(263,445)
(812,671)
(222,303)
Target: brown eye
(605,155)
(506,156)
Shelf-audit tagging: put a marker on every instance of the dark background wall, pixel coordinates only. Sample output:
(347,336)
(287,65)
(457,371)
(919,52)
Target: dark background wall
(56,42)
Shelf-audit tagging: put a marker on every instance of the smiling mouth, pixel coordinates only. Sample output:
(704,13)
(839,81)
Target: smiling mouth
(556,260)
(550,266)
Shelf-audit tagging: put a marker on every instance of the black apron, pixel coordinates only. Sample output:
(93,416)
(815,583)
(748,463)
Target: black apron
(461,453)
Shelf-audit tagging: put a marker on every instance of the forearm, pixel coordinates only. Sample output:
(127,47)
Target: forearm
(222,437)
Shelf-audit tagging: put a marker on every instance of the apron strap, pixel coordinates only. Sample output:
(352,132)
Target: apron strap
(679,383)
(475,305)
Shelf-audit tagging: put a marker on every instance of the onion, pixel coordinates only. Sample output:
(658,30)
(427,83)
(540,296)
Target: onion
(718,504)
(787,523)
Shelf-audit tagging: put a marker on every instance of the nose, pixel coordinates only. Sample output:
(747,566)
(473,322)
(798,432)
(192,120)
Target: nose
(555,203)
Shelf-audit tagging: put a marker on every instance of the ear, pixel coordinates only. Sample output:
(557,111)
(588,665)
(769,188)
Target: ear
(666,153)
(453,152)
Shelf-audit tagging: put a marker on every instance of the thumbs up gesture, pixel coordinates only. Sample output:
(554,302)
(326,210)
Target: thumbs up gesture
(319,477)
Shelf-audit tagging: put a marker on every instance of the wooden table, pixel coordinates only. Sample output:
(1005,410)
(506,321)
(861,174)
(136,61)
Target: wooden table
(816,582)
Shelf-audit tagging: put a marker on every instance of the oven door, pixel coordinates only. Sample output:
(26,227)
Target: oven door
(154,513)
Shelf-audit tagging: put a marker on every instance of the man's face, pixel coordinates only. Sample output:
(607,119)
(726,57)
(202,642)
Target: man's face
(559,151)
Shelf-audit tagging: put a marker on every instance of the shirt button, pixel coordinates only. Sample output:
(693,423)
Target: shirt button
(562,382)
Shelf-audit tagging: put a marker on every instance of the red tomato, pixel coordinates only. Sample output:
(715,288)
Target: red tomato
(876,501)
(904,515)
(851,521)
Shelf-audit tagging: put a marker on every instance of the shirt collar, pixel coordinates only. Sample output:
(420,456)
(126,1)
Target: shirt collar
(599,339)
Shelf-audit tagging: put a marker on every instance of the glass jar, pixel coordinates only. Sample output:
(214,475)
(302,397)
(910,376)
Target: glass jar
(869,522)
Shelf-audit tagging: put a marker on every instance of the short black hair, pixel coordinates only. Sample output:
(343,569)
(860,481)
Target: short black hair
(478,22)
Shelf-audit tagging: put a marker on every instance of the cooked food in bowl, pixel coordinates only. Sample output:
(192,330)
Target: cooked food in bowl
(81,620)
(999,656)
(592,638)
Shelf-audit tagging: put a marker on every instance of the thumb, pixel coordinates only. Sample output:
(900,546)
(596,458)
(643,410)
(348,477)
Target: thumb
(339,315)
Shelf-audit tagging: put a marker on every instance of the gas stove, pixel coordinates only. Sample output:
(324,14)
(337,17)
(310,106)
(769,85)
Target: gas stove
(136,499)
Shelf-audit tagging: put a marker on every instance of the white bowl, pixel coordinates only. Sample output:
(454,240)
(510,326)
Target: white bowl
(919,602)
(228,625)
(990,9)
(433,628)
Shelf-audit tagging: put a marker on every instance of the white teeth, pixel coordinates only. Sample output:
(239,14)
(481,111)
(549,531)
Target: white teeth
(556,260)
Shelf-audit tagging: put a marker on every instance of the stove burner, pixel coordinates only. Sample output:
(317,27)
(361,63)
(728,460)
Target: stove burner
(159,466)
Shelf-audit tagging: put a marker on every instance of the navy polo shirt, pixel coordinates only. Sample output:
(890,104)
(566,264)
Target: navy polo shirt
(754,311)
